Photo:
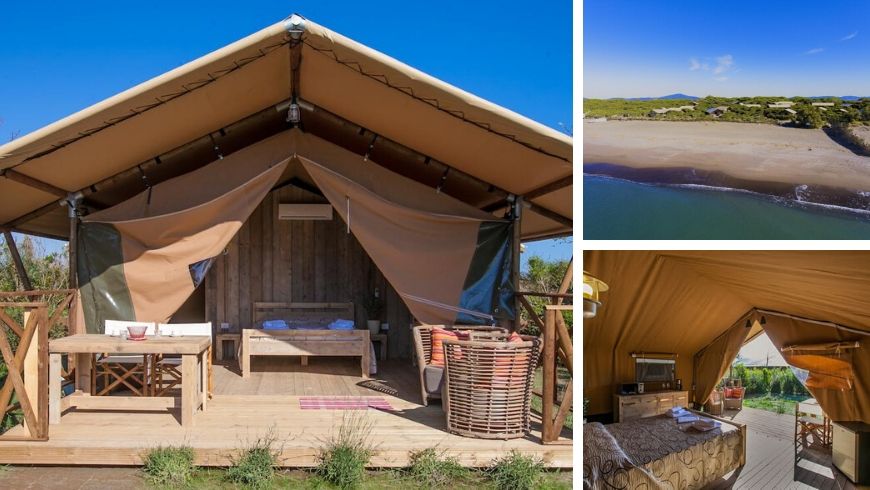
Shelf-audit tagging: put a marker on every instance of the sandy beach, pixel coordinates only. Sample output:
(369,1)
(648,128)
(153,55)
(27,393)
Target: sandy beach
(755,152)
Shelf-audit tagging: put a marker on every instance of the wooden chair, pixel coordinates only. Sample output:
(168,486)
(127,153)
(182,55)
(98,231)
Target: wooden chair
(168,369)
(431,377)
(131,371)
(488,386)
(810,425)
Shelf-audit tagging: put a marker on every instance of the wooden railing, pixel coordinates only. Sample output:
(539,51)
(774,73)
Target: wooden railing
(25,388)
(557,344)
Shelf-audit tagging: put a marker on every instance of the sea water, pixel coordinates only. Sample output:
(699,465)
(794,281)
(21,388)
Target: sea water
(615,209)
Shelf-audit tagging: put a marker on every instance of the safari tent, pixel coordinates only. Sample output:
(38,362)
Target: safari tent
(189,198)
(662,329)
(701,306)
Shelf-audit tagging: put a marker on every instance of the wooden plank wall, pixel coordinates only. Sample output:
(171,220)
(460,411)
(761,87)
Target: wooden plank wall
(299,261)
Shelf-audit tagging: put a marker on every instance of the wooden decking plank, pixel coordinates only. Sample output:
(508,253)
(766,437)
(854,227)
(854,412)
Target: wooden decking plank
(245,409)
(770,459)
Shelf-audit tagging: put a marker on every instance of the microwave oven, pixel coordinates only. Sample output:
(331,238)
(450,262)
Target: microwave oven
(631,389)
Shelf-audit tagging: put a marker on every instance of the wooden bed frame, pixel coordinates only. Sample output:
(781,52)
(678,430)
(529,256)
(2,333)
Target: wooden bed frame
(303,343)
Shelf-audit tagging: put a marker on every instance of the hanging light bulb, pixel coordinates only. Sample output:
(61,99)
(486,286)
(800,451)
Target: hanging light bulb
(592,287)
(294,114)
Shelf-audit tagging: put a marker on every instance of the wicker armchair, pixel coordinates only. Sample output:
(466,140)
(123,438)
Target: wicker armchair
(431,377)
(488,386)
(714,404)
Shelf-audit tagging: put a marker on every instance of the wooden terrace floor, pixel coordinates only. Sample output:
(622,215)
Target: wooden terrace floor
(242,411)
(770,458)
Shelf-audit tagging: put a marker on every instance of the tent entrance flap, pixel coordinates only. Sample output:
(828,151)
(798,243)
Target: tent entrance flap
(829,365)
(448,261)
(143,258)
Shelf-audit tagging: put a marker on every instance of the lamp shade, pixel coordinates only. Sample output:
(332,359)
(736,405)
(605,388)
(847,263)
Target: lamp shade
(592,287)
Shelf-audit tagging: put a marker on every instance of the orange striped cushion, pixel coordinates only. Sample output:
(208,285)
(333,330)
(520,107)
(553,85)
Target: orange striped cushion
(505,367)
(439,335)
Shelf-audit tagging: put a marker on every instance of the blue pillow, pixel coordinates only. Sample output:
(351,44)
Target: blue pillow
(341,325)
(275,325)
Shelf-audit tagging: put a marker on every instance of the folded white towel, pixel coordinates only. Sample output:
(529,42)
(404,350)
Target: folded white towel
(687,418)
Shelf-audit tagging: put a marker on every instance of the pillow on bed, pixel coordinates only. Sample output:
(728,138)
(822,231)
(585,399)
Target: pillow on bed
(275,325)
(341,325)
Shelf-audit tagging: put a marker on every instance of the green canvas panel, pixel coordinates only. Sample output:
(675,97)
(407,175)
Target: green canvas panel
(100,268)
(487,287)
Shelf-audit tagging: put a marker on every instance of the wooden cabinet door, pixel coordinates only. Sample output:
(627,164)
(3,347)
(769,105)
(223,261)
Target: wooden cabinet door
(649,406)
(681,399)
(664,403)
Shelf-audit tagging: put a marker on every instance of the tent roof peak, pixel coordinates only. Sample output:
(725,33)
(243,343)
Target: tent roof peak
(357,83)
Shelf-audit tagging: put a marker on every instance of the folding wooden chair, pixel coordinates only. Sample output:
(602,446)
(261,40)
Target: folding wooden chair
(130,371)
(809,425)
(168,369)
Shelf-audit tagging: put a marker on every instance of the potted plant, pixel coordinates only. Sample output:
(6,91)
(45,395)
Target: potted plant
(374,305)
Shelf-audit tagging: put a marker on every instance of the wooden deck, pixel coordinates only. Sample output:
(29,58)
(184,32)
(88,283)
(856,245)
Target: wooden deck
(770,458)
(243,410)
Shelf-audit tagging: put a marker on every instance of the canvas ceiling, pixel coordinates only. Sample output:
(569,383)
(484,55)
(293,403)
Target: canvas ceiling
(337,74)
(680,301)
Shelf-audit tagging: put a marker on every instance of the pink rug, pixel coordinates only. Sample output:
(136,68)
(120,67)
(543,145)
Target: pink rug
(343,403)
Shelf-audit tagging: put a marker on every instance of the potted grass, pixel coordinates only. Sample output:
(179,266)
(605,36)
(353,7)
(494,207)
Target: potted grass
(374,306)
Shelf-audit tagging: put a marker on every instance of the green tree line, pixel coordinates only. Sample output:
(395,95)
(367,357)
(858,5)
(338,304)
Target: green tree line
(806,115)
(775,381)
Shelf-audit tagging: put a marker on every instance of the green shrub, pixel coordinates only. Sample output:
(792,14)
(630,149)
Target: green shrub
(516,472)
(775,385)
(780,407)
(343,457)
(171,466)
(430,469)
(254,467)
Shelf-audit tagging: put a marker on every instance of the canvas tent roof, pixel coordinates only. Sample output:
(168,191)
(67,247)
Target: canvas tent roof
(681,301)
(228,99)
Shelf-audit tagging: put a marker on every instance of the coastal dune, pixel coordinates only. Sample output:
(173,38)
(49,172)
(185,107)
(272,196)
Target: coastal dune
(759,152)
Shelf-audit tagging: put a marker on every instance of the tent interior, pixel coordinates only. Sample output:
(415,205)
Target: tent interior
(701,306)
(361,106)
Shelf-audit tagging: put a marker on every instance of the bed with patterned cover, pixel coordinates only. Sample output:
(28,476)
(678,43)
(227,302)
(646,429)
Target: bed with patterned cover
(656,452)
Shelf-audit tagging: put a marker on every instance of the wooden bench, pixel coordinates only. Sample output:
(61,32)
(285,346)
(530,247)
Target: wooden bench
(307,342)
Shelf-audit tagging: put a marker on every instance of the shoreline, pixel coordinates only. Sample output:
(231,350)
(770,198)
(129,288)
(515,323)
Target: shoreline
(842,199)
(804,165)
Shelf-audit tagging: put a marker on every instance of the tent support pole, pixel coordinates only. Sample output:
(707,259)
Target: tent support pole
(19,264)
(516,244)
(73,201)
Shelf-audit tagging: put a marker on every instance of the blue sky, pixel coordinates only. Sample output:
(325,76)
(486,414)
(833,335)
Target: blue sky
(733,48)
(61,57)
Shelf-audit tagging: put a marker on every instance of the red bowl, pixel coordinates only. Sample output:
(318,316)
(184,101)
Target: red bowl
(137,332)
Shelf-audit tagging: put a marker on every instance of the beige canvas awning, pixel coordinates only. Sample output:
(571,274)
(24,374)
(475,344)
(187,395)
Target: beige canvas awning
(142,259)
(681,301)
(155,123)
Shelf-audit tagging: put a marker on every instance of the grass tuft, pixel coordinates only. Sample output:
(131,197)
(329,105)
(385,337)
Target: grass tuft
(344,456)
(431,469)
(170,466)
(254,467)
(516,472)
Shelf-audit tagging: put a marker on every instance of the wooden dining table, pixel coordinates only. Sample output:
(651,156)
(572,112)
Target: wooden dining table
(194,373)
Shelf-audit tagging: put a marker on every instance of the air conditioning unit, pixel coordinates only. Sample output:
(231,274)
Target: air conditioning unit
(305,211)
